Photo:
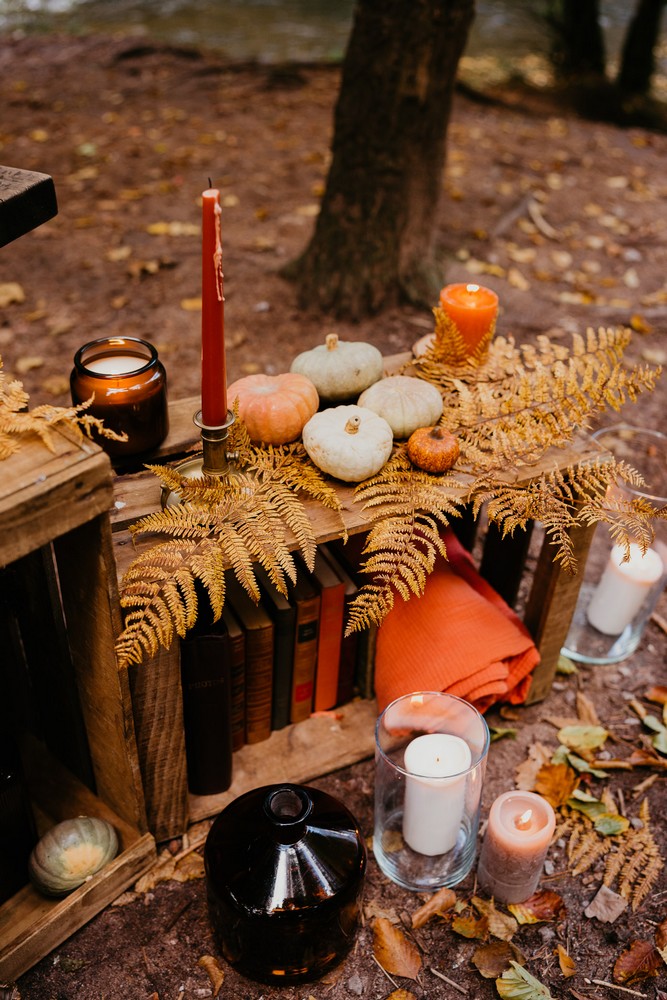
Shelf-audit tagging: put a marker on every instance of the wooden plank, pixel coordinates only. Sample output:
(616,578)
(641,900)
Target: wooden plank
(32,923)
(298,754)
(551,605)
(27,199)
(157,704)
(44,494)
(35,925)
(90,600)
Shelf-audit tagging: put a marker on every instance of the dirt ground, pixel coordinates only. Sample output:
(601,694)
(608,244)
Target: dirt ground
(563,217)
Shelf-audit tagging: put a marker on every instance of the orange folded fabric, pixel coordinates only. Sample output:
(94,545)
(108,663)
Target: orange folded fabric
(460,636)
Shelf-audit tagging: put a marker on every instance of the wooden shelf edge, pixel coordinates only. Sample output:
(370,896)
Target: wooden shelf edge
(298,753)
(35,925)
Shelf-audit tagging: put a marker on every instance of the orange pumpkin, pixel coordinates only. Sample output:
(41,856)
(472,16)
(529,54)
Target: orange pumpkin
(274,408)
(433,449)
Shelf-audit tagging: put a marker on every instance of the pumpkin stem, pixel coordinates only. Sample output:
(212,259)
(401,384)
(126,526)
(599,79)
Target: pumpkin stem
(352,426)
(331,341)
(437,432)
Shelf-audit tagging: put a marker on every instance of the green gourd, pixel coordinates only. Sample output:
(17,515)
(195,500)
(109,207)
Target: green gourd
(70,853)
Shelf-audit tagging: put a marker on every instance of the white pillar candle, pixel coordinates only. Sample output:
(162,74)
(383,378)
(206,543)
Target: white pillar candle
(115,364)
(434,792)
(623,588)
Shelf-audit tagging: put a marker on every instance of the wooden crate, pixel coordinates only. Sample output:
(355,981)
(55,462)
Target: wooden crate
(54,518)
(319,745)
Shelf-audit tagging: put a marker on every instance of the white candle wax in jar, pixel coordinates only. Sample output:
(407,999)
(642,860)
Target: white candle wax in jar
(623,588)
(434,792)
(115,364)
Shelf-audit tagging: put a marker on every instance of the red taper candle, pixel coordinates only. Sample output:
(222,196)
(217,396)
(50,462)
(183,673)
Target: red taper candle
(213,367)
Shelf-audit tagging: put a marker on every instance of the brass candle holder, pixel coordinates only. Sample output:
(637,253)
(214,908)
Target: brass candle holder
(212,462)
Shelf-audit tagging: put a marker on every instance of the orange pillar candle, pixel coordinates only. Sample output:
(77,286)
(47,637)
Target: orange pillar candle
(213,368)
(518,834)
(472,308)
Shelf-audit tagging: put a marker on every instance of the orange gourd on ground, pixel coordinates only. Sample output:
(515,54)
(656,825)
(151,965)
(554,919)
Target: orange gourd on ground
(274,408)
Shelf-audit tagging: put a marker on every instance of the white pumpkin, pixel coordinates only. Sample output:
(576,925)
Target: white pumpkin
(340,369)
(348,442)
(406,403)
(70,853)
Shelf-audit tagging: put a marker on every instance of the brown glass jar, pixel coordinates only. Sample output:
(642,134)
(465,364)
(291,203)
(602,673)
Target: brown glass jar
(129,385)
(285,866)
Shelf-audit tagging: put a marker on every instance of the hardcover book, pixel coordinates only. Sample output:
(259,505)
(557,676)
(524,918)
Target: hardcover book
(258,629)
(283,614)
(349,555)
(237,653)
(349,643)
(206,674)
(330,633)
(305,597)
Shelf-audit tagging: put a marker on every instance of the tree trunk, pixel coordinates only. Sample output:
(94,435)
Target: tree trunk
(578,50)
(374,237)
(638,58)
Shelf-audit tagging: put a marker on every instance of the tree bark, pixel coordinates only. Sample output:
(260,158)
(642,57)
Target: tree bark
(578,50)
(374,237)
(638,56)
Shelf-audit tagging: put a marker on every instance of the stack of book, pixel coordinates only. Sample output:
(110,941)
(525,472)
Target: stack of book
(263,666)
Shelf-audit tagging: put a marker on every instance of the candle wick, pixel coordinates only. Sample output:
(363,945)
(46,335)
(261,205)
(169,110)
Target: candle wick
(522,822)
(210,183)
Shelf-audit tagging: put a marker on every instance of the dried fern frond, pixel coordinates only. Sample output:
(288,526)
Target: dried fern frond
(237,521)
(17,422)
(408,510)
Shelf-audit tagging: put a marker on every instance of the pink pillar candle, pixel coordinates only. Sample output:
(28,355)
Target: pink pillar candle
(518,834)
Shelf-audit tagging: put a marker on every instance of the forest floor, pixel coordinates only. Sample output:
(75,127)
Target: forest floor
(563,217)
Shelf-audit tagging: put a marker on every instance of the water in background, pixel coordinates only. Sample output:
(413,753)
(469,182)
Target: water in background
(279,30)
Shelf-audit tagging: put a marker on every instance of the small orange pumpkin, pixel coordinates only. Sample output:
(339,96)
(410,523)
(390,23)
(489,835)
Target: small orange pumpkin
(274,408)
(433,449)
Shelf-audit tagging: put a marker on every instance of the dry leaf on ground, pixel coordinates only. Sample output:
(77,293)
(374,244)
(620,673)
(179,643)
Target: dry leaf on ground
(501,925)
(494,958)
(393,951)
(214,972)
(606,905)
(436,906)
(567,966)
(543,906)
(641,960)
(518,984)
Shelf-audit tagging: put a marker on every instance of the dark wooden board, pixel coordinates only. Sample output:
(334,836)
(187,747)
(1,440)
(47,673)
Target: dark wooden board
(27,199)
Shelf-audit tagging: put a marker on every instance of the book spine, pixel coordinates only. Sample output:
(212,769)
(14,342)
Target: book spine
(259,684)
(330,631)
(305,658)
(207,718)
(237,656)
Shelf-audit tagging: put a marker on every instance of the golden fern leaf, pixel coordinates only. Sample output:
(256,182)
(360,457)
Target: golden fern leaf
(238,520)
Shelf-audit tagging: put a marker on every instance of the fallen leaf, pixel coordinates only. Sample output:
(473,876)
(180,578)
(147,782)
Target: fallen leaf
(583,737)
(401,995)
(518,984)
(661,940)
(56,385)
(498,734)
(543,906)
(191,305)
(27,363)
(469,926)
(606,905)
(639,324)
(173,229)
(641,960)
(556,783)
(436,906)
(393,951)
(586,709)
(566,666)
(500,924)
(214,972)
(567,966)
(658,694)
(10,292)
(494,958)
(526,772)
(517,280)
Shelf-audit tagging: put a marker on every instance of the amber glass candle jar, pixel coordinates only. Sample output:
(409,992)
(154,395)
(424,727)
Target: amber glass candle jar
(129,385)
